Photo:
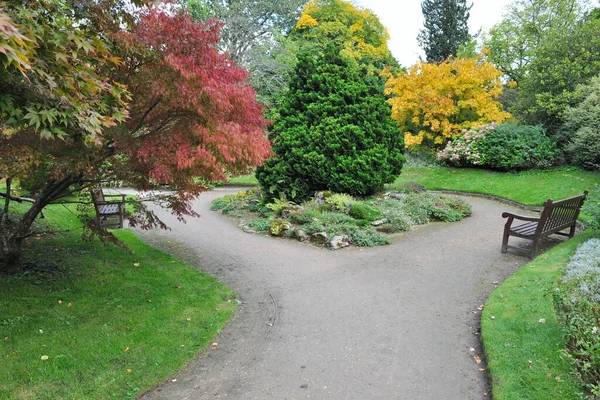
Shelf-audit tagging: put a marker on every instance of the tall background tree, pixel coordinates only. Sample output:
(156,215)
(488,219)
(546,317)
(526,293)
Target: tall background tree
(254,33)
(82,103)
(547,47)
(445,28)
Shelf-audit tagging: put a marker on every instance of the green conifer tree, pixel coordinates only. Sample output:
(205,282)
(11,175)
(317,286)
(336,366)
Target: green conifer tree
(445,28)
(333,132)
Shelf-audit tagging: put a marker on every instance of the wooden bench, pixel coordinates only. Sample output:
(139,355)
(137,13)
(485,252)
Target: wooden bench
(108,213)
(555,217)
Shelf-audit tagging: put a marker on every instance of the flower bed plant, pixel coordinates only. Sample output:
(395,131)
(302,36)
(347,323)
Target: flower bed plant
(577,302)
(337,219)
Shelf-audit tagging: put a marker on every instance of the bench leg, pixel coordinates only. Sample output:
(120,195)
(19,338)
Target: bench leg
(572,231)
(505,241)
(534,248)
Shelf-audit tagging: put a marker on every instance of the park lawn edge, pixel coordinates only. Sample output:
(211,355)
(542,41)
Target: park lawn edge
(530,188)
(114,324)
(522,339)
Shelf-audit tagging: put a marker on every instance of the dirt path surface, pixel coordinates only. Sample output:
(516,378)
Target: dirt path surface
(392,322)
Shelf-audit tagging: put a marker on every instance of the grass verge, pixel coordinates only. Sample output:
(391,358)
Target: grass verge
(532,187)
(524,355)
(111,323)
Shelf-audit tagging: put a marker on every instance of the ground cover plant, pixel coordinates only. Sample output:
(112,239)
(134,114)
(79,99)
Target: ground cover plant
(523,340)
(577,299)
(85,320)
(338,220)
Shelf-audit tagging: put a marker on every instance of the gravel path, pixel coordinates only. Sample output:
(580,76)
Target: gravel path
(391,322)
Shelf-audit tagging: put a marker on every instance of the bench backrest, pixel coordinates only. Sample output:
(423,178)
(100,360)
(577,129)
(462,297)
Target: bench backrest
(558,215)
(97,194)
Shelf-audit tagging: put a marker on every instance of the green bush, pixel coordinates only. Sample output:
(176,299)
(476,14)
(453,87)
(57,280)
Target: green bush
(504,147)
(364,237)
(340,201)
(334,131)
(582,127)
(363,211)
(278,225)
(260,224)
(425,207)
(577,303)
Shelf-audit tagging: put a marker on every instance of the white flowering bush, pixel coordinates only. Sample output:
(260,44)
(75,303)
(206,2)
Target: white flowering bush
(577,302)
(463,151)
(507,146)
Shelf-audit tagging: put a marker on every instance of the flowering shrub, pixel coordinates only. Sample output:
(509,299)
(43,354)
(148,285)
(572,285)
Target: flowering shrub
(463,151)
(507,146)
(578,307)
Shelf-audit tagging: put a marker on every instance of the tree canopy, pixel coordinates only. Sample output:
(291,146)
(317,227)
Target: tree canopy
(434,102)
(82,103)
(445,28)
(355,30)
(526,25)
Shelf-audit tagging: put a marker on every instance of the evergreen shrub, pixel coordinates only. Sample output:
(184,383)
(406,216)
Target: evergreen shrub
(333,132)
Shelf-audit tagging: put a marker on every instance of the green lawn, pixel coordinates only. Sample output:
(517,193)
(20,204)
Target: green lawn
(528,187)
(524,354)
(112,324)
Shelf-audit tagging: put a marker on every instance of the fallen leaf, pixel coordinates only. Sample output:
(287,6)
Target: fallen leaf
(529,363)
(477,359)
(557,378)
(126,349)
(482,369)
(60,302)
(542,321)
(136,264)
(177,287)
(41,331)
(69,305)
(188,319)
(492,317)
(44,358)
(128,370)
(173,380)
(472,349)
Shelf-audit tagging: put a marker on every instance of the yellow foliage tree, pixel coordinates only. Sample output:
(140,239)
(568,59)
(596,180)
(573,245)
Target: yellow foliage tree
(435,102)
(360,32)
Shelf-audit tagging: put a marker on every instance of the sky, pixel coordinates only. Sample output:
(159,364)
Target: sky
(403,19)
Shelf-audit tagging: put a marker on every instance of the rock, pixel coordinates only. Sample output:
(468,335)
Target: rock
(301,235)
(289,210)
(397,196)
(320,198)
(379,222)
(319,238)
(339,242)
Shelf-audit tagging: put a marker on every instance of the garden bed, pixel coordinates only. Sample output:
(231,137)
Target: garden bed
(338,220)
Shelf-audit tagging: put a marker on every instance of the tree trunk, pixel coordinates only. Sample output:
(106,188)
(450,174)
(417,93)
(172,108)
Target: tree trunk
(10,259)
(12,233)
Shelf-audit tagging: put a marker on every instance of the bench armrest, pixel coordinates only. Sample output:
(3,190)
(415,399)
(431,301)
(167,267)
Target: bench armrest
(512,216)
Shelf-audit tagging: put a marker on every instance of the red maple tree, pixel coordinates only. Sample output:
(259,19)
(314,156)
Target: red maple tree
(190,118)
